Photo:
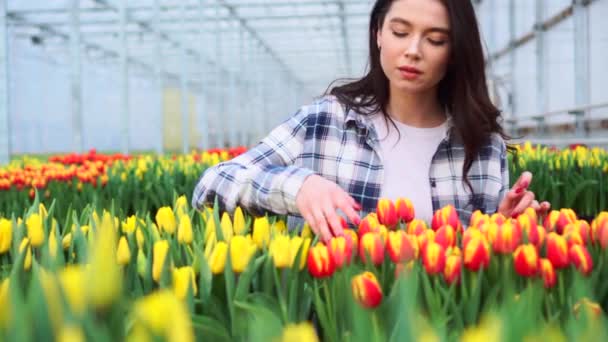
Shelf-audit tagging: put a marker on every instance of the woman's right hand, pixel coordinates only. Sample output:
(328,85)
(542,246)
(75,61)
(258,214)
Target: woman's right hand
(317,202)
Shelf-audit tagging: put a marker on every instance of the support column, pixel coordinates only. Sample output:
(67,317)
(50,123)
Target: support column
(124,78)
(204,123)
(76,76)
(581,62)
(158,77)
(183,85)
(540,59)
(5,138)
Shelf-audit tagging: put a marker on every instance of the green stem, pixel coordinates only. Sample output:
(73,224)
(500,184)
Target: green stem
(376,327)
(330,312)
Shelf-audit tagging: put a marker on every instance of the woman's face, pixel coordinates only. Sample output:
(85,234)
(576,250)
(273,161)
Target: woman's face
(414,44)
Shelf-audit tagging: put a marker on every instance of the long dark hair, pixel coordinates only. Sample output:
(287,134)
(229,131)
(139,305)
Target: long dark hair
(463,90)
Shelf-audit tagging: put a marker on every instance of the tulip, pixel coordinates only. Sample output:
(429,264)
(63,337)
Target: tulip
(142,263)
(498,218)
(405,209)
(184,280)
(104,272)
(304,332)
(580,257)
(425,238)
(27,262)
(6,235)
(532,231)
(181,205)
(478,219)
(139,238)
(387,213)
(353,237)
(279,227)
(548,273)
(557,220)
(580,229)
(72,279)
(123,253)
(261,232)
(367,290)
(557,250)
(340,250)
(446,236)
(242,250)
(531,213)
(401,247)
(302,245)
(159,255)
(598,226)
(476,254)
(307,231)
(469,234)
(35,230)
(165,219)
(433,258)
(66,242)
(453,269)
(239,222)
(446,215)
(417,227)
(217,260)
(184,230)
(506,238)
(368,224)
(227,228)
(371,245)
(526,261)
(280,252)
(129,225)
(320,262)
(592,309)
(174,324)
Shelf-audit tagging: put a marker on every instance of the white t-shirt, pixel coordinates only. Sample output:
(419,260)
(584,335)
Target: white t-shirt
(406,157)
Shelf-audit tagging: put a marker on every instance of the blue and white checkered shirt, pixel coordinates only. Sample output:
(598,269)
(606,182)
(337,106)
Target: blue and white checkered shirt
(321,138)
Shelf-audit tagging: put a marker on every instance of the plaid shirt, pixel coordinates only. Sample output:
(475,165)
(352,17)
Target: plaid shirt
(321,138)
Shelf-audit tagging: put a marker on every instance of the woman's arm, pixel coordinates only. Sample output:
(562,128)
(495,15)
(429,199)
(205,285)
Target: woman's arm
(263,178)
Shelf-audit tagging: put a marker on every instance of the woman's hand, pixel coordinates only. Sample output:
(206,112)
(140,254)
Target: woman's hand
(519,198)
(317,202)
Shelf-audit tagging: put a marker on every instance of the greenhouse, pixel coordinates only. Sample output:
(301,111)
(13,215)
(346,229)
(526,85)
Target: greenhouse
(303,170)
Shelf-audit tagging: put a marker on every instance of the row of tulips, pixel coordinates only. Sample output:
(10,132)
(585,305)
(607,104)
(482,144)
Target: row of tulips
(222,277)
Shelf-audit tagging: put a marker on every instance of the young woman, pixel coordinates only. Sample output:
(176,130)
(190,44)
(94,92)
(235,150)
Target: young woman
(419,125)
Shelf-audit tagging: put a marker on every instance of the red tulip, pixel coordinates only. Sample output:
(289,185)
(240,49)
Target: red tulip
(446,236)
(557,220)
(506,238)
(320,262)
(526,261)
(416,227)
(453,269)
(478,219)
(580,227)
(498,218)
(469,234)
(433,258)
(405,209)
(372,245)
(476,254)
(557,250)
(446,215)
(340,250)
(368,224)
(401,247)
(599,229)
(580,257)
(387,214)
(548,273)
(351,235)
(425,238)
(367,290)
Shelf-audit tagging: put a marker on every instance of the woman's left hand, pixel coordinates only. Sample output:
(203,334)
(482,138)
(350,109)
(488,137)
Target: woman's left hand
(519,198)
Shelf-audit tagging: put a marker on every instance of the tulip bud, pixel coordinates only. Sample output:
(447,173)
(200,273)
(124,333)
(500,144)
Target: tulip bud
(296,244)
(142,264)
(425,238)
(261,232)
(453,269)
(239,222)
(478,219)
(307,231)
(280,252)
(35,230)
(578,232)
(525,260)
(387,214)
(557,220)
(498,218)
(580,257)
(366,290)
(242,250)
(446,236)
(469,234)
(506,238)
(165,219)
(184,230)
(368,224)
(433,258)
(320,262)
(123,253)
(27,262)
(66,242)
(353,237)
(184,279)
(217,260)
(226,225)
(446,216)
(548,273)
(401,247)
(340,250)
(532,231)
(476,254)
(417,227)
(159,252)
(371,245)
(557,250)
(405,209)
(6,235)
(598,226)
(531,213)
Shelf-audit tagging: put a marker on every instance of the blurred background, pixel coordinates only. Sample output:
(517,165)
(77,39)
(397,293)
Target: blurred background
(172,76)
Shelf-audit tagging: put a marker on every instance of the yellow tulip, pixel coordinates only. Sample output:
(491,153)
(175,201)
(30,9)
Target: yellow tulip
(279,227)
(27,264)
(35,230)
(50,288)
(294,245)
(210,233)
(183,279)
(303,332)
(71,333)
(184,231)
(306,231)
(261,232)
(5,307)
(239,222)
(166,220)
(279,250)
(6,235)
(142,264)
(226,225)
(129,225)
(242,250)
(160,250)
(42,211)
(163,314)
(123,254)
(181,205)
(104,271)
(66,242)
(217,260)
(53,243)
(73,282)
(139,237)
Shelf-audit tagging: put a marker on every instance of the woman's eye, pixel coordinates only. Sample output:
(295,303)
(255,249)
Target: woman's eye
(399,34)
(437,42)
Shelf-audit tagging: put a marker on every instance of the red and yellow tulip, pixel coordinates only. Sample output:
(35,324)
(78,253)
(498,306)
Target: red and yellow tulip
(367,290)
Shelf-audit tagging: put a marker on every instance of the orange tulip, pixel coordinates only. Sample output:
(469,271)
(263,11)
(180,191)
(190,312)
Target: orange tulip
(340,250)
(525,260)
(453,269)
(531,230)
(580,257)
(507,237)
(401,247)
(548,273)
(367,290)
(368,224)
(320,262)
(387,213)
(476,254)
(469,234)
(478,219)
(580,228)
(446,215)
(416,227)
(372,245)
(557,220)
(433,258)
(405,209)
(446,236)
(557,250)
(599,229)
